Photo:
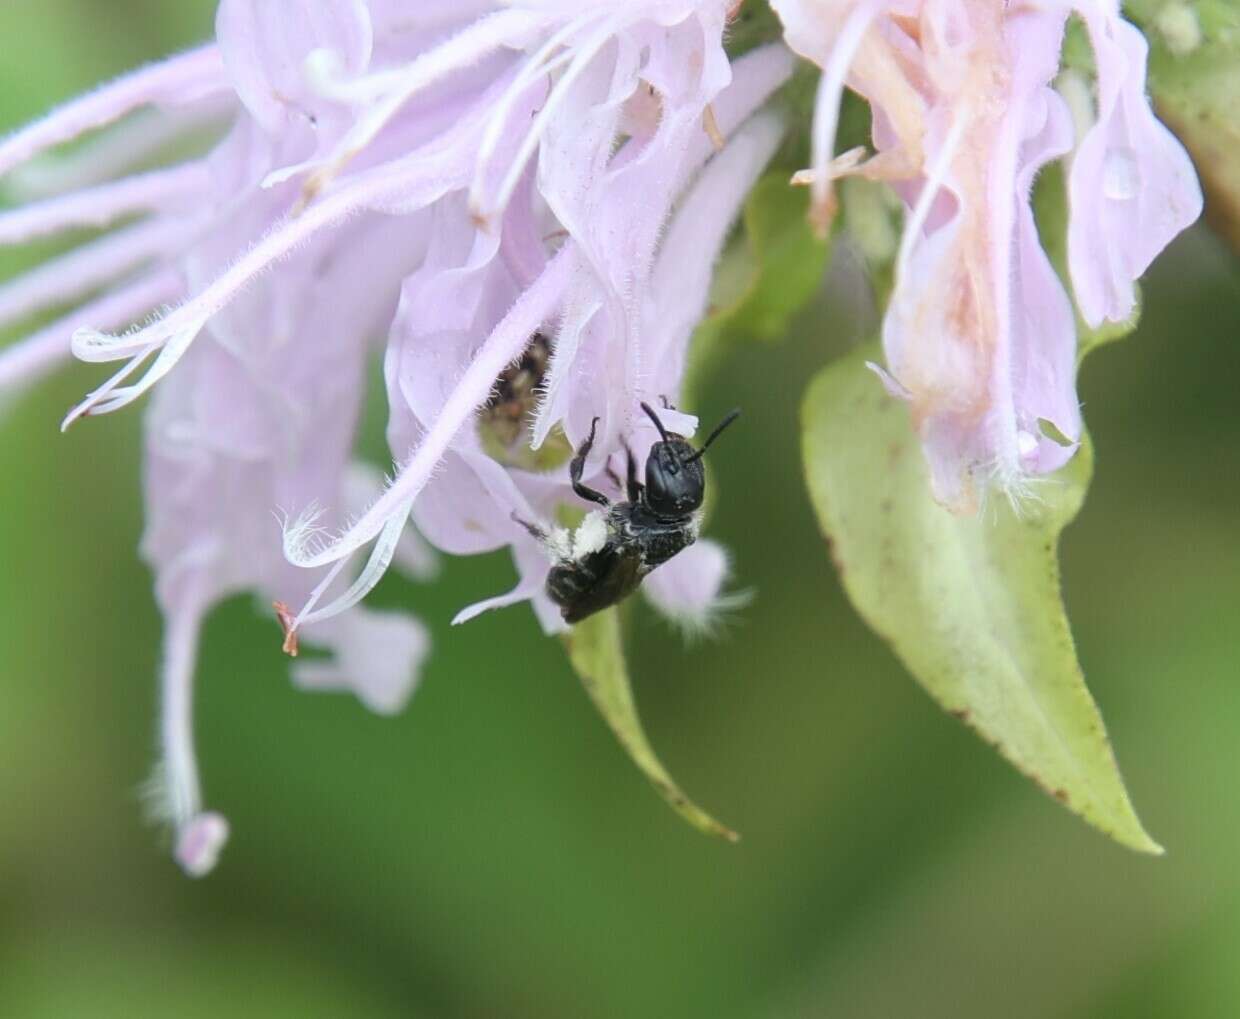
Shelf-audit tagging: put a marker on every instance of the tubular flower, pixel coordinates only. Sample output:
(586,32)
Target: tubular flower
(980,336)
(517,205)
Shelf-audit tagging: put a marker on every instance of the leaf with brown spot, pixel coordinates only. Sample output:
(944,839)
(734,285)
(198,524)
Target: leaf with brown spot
(972,605)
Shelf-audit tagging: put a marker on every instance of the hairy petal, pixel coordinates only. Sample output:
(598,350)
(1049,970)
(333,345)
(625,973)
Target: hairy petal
(688,589)
(102,206)
(695,239)
(180,79)
(26,361)
(83,269)
(176,791)
(408,185)
(502,346)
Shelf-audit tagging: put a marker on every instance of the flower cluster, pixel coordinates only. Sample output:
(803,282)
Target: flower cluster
(980,336)
(516,205)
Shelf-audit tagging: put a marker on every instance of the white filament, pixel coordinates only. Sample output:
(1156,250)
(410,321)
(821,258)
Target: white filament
(930,191)
(830,95)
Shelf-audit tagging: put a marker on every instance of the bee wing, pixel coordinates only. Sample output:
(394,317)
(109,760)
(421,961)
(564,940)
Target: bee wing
(620,580)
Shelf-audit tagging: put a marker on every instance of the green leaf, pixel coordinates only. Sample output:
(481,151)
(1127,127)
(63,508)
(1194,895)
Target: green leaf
(764,280)
(782,264)
(788,260)
(972,606)
(596,652)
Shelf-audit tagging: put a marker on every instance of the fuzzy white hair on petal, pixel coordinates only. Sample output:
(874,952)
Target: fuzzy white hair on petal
(688,590)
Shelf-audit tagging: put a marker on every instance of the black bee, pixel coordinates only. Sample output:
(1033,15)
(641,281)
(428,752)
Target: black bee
(606,558)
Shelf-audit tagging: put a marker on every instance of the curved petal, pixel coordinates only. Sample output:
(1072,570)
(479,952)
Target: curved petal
(689,588)
(1132,186)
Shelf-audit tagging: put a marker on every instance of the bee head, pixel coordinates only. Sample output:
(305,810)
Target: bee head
(675,485)
(675,475)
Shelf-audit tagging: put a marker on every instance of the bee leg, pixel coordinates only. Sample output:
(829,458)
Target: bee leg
(578,466)
(557,544)
(632,486)
(536,532)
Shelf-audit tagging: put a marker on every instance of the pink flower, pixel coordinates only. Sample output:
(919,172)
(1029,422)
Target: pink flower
(979,336)
(571,250)
(441,182)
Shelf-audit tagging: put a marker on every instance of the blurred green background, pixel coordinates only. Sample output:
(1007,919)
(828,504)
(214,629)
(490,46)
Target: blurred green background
(491,852)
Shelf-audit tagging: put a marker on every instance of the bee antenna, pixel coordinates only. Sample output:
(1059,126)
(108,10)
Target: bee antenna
(666,439)
(731,416)
(657,423)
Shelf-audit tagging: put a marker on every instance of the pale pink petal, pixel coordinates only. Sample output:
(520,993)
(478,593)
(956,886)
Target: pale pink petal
(175,792)
(503,345)
(180,79)
(138,140)
(102,206)
(1043,328)
(264,47)
(1132,186)
(377,655)
(200,842)
(532,566)
(694,240)
(689,589)
(411,183)
(62,280)
(414,558)
(26,361)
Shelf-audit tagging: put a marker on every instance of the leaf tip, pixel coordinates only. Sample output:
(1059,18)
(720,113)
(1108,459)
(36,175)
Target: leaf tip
(595,652)
(1138,839)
